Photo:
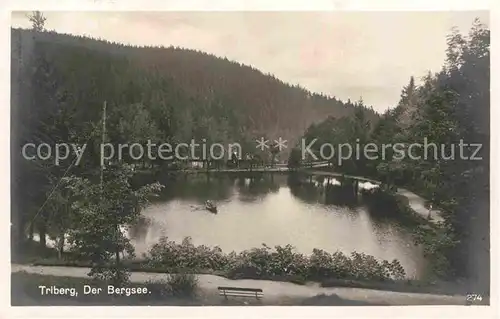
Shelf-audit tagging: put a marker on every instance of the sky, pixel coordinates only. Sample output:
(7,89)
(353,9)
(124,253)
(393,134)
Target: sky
(343,54)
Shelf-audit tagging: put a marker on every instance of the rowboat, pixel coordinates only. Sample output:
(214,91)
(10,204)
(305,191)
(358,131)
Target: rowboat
(211,207)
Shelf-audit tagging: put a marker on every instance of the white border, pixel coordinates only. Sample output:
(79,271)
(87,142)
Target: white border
(250,5)
(234,312)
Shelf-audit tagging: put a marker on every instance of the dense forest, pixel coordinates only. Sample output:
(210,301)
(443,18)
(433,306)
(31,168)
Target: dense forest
(446,108)
(187,94)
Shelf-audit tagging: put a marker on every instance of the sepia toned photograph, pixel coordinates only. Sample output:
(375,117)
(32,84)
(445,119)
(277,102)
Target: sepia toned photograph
(170,158)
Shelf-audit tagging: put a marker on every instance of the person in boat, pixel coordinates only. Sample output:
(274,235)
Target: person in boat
(210,206)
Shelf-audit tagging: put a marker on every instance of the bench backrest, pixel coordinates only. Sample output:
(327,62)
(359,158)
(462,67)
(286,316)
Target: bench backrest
(240,289)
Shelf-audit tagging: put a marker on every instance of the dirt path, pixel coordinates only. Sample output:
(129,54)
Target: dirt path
(417,203)
(272,289)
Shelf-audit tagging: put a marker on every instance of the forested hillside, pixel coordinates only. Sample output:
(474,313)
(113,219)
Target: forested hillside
(187,94)
(166,95)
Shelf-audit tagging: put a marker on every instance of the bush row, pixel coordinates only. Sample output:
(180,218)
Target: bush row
(266,262)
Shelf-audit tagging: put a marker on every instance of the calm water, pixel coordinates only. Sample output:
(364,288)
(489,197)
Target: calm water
(275,210)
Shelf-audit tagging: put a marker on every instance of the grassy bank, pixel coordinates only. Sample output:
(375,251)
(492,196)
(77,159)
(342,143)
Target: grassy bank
(25,292)
(325,279)
(416,286)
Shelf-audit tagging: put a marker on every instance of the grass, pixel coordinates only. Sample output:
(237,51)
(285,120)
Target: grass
(137,265)
(410,286)
(144,266)
(25,292)
(407,286)
(334,300)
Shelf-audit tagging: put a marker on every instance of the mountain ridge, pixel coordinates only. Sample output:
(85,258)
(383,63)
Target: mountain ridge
(204,94)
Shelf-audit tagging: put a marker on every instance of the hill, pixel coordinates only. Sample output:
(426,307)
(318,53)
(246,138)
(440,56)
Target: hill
(186,93)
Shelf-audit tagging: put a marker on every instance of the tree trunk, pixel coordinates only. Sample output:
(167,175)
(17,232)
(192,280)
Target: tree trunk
(60,248)
(42,231)
(117,256)
(117,252)
(31,231)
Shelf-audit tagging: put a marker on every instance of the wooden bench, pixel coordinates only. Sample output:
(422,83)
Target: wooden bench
(240,292)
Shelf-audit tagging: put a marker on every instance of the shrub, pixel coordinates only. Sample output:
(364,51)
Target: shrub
(118,275)
(169,254)
(437,243)
(182,284)
(175,285)
(266,262)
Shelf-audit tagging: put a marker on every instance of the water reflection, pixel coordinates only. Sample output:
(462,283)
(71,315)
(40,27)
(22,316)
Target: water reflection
(324,190)
(276,209)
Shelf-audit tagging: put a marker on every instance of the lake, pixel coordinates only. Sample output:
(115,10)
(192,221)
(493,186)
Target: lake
(275,209)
